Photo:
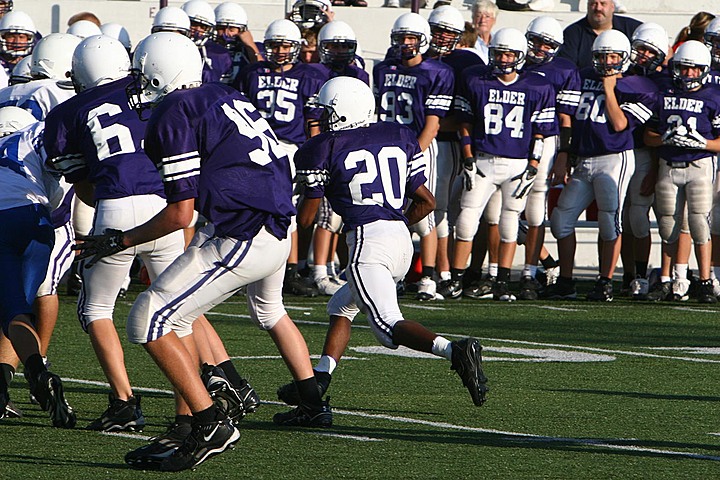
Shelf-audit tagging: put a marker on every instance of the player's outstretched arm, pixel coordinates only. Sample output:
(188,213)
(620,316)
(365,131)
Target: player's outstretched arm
(423,203)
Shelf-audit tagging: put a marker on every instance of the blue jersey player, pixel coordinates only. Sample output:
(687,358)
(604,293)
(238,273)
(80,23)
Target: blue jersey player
(216,153)
(416,93)
(610,108)
(367,171)
(504,117)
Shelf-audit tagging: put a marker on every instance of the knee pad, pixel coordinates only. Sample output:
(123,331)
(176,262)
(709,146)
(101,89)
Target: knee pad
(425,226)
(609,225)
(535,208)
(639,221)
(509,226)
(442,226)
(561,225)
(669,228)
(493,209)
(467,224)
(342,304)
(383,333)
(266,315)
(699,228)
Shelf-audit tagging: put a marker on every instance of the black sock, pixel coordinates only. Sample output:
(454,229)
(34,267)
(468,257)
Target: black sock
(428,271)
(34,366)
(503,274)
(641,269)
(605,279)
(208,415)
(549,262)
(456,274)
(180,419)
(566,280)
(291,269)
(323,378)
(7,372)
(230,372)
(309,394)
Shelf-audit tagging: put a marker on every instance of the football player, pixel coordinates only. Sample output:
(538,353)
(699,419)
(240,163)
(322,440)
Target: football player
(208,140)
(505,115)
(17,39)
(610,108)
(311,14)
(545,36)
(416,92)
(688,139)
(232,33)
(217,61)
(281,89)
(367,171)
(28,195)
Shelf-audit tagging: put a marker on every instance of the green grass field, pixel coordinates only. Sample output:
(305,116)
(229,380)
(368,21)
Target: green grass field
(578,390)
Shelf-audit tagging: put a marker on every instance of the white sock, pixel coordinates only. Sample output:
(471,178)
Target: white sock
(529,270)
(326,364)
(716,272)
(680,270)
(442,347)
(665,279)
(444,275)
(493,269)
(319,272)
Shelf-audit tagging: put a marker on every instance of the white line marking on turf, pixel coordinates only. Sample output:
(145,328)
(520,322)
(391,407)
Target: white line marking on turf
(450,426)
(348,437)
(278,357)
(421,307)
(695,350)
(559,309)
(126,435)
(694,310)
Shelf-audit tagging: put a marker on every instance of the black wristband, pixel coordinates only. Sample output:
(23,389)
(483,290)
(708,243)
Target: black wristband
(565,139)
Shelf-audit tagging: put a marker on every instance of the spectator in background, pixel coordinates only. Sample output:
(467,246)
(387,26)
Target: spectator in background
(309,46)
(580,35)
(695,30)
(484,16)
(89,16)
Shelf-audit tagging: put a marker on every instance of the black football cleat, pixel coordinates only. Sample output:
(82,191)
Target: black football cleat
(467,362)
(289,393)
(48,390)
(305,416)
(121,415)
(205,441)
(235,401)
(149,457)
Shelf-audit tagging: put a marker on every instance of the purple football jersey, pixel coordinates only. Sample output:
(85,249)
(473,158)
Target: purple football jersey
(407,95)
(96,136)
(210,143)
(506,117)
(282,98)
(460,59)
(713,77)
(217,62)
(563,75)
(699,110)
(370,171)
(326,73)
(592,134)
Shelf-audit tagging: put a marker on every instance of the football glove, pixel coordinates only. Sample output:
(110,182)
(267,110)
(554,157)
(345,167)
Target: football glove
(684,137)
(469,171)
(99,246)
(525,179)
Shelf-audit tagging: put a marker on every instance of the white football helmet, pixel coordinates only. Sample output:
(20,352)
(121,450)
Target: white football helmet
(410,24)
(282,32)
(13,119)
(446,26)
(346,102)
(21,72)
(311,13)
(162,63)
(202,20)
(118,32)
(690,54)
(171,19)
(507,40)
(712,40)
(611,42)
(337,44)
(543,30)
(98,60)
(648,47)
(84,29)
(17,22)
(230,14)
(52,56)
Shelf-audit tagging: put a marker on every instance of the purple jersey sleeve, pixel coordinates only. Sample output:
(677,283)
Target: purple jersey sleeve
(699,110)
(370,171)
(217,62)
(565,79)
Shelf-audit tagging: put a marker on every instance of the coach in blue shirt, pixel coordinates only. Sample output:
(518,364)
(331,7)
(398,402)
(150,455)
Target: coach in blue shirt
(580,35)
